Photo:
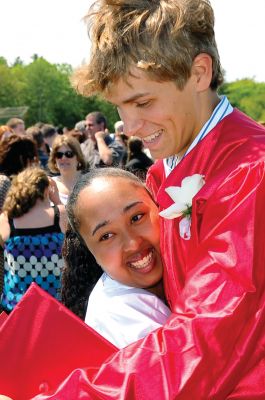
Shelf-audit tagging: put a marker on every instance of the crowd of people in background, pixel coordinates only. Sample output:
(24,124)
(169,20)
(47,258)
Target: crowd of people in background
(39,166)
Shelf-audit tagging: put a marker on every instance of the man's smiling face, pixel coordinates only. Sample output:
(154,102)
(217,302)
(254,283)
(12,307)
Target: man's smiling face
(163,116)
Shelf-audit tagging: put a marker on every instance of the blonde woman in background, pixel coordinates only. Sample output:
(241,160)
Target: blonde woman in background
(66,158)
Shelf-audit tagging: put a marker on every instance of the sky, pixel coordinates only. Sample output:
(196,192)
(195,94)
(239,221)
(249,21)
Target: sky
(54,30)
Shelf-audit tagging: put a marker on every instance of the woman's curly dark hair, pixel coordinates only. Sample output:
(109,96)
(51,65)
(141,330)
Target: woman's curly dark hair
(80,273)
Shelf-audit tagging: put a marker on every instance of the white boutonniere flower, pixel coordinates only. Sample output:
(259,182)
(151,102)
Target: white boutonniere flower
(182,197)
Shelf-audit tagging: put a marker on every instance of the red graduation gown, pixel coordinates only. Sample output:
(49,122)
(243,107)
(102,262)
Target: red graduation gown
(213,346)
(41,343)
(215,282)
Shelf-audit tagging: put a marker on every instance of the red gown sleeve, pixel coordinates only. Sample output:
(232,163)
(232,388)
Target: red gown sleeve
(155,175)
(213,346)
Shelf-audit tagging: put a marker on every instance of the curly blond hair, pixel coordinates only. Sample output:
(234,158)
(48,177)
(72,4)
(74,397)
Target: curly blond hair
(160,37)
(26,188)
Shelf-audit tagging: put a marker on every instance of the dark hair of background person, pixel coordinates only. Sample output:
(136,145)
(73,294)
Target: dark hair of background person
(99,118)
(80,273)
(48,130)
(17,153)
(135,147)
(78,135)
(137,161)
(36,134)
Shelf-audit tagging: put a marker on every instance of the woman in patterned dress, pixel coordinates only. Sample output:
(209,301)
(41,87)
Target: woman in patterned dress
(33,232)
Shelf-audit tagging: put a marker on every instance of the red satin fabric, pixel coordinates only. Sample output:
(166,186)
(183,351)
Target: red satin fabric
(41,342)
(3,317)
(213,346)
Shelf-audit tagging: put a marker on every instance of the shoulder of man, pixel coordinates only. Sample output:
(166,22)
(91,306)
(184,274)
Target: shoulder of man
(87,143)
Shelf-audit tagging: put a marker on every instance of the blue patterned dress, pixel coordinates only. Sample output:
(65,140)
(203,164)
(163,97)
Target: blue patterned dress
(32,255)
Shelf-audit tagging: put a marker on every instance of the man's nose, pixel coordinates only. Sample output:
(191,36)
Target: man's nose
(132,125)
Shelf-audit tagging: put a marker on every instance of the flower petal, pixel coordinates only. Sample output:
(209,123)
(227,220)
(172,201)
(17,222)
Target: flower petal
(174,192)
(190,186)
(184,228)
(174,211)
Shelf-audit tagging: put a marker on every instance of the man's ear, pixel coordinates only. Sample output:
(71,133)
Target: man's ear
(202,71)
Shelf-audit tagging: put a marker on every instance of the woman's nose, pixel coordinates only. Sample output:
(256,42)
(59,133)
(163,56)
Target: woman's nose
(132,241)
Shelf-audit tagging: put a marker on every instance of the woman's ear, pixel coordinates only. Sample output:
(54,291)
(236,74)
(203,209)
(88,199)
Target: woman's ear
(202,71)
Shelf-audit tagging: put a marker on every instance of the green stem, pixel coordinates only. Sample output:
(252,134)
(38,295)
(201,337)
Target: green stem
(187,212)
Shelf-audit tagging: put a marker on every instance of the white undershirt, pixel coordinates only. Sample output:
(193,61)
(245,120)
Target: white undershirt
(123,314)
(63,196)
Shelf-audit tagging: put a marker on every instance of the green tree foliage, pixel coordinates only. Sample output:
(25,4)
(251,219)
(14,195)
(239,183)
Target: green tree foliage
(45,88)
(3,61)
(18,61)
(248,96)
(10,84)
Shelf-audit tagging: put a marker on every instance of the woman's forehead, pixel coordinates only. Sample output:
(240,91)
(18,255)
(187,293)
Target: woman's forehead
(112,191)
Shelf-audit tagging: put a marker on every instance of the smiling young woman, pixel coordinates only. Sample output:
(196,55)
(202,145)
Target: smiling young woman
(115,225)
(66,158)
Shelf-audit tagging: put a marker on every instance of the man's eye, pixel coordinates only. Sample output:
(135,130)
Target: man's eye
(144,104)
(137,217)
(105,237)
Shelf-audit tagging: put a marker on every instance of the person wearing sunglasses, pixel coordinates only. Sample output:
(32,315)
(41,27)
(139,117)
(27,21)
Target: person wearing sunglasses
(67,160)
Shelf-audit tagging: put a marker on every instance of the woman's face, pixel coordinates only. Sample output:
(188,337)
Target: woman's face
(65,159)
(120,226)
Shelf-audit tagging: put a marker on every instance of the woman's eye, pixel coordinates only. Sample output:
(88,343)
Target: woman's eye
(105,237)
(137,217)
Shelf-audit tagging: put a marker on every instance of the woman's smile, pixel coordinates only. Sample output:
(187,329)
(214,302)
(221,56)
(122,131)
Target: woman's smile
(120,226)
(143,261)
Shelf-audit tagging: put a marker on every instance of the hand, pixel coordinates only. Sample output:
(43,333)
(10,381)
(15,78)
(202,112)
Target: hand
(53,193)
(101,134)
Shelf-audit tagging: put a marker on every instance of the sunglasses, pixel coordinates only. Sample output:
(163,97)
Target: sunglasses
(67,154)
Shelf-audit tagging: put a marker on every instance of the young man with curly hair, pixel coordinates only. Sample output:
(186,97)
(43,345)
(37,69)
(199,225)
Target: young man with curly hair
(157,61)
